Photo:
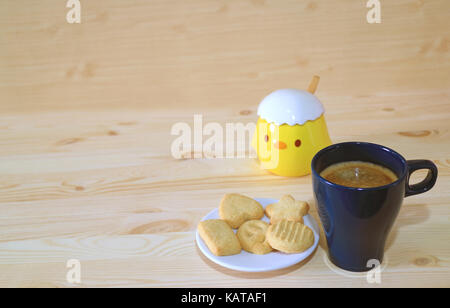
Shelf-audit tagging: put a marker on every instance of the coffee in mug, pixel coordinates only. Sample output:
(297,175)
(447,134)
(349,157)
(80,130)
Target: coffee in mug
(358,174)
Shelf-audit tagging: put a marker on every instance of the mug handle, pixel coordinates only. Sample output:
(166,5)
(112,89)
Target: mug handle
(429,180)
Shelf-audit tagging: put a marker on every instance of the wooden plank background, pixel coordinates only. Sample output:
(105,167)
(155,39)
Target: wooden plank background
(86,112)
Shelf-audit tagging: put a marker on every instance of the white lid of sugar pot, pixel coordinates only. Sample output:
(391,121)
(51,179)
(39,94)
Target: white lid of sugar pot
(290,106)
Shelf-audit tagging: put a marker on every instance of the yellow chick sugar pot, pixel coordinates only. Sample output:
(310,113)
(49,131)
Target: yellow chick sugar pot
(290,130)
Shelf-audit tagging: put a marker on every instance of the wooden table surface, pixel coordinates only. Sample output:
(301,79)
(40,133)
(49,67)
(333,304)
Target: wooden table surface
(86,111)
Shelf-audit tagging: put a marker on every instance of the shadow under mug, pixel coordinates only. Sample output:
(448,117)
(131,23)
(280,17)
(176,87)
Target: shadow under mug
(357,221)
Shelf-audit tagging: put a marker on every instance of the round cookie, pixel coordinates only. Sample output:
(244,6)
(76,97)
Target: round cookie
(290,236)
(252,236)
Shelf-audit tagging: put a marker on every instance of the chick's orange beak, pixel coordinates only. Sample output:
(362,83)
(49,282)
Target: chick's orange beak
(280,145)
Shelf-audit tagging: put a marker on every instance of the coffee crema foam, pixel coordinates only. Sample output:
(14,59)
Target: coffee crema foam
(358,174)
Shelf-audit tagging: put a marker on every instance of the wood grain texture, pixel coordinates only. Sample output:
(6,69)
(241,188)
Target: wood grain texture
(86,112)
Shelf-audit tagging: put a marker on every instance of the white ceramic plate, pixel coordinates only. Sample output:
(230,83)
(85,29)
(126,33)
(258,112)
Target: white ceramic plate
(249,262)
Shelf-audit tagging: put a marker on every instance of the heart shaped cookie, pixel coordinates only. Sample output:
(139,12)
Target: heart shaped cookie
(236,209)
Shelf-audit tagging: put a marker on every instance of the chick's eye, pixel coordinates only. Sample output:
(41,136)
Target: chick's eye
(266,138)
(298,143)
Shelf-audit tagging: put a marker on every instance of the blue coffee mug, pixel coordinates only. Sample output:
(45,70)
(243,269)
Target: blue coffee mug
(357,221)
